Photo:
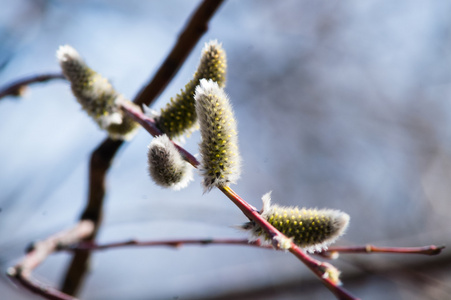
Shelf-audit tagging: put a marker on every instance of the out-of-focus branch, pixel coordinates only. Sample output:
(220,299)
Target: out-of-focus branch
(177,243)
(104,154)
(100,162)
(426,250)
(17,88)
(190,36)
(40,289)
(38,252)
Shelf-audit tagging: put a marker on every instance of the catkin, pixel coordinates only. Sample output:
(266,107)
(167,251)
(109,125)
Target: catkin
(179,116)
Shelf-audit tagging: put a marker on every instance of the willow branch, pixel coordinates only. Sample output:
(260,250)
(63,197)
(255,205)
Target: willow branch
(100,162)
(425,250)
(102,157)
(39,288)
(324,271)
(39,251)
(18,87)
(176,243)
(190,36)
(320,269)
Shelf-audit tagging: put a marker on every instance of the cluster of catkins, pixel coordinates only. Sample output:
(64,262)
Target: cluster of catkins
(202,104)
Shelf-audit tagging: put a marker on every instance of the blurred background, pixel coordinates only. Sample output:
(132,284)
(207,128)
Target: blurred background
(340,104)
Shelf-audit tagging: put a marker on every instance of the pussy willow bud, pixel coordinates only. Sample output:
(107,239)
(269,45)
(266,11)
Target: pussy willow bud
(310,229)
(220,163)
(96,95)
(179,116)
(166,166)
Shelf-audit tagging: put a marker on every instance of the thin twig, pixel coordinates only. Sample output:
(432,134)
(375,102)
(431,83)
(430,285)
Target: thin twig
(39,251)
(17,87)
(91,246)
(39,288)
(425,250)
(189,37)
(104,154)
(177,243)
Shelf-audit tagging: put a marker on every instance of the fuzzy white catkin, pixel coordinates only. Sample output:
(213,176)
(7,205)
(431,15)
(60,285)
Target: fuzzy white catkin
(179,116)
(221,162)
(95,94)
(311,229)
(167,168)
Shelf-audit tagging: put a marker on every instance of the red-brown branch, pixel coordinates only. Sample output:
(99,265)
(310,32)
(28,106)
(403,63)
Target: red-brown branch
(425,250)
(18,87)
(176,243)
(39,288)
(91,246)
(38,252)
(319,268)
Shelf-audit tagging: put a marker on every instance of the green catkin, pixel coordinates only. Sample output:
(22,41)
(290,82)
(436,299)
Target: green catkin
(167,168)
(310,229)
(221,162)
(96,95)
(179,116)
